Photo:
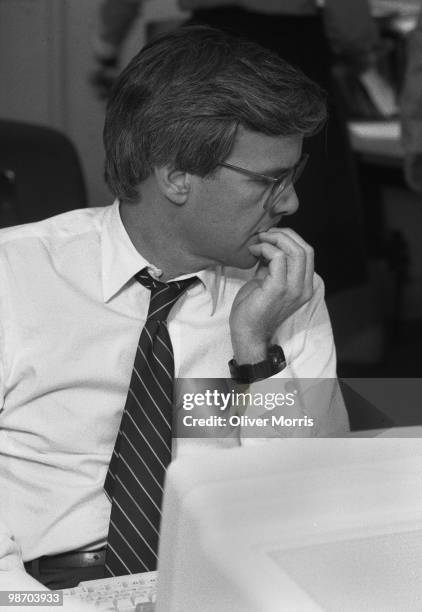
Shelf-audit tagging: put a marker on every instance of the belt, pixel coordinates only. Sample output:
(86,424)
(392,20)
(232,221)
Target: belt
(69,559)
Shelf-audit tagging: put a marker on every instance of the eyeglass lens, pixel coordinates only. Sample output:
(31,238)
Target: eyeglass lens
(293,176)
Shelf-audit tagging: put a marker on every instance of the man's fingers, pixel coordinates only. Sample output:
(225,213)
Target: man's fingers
(287,231)
(282,271)
(287,239)
(310,256)
(296,254)
(266,250)
(276,266)
(284,241)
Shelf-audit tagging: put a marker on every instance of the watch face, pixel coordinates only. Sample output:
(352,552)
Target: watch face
(277,356)
(248,373)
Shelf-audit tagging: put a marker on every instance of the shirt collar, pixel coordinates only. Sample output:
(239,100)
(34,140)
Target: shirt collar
(121,261)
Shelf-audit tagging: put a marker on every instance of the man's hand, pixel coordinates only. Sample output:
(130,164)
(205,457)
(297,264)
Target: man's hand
(282,284)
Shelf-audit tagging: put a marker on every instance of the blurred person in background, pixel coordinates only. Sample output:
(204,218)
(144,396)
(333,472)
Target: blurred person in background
(350,30)
(115,20)
(411,110)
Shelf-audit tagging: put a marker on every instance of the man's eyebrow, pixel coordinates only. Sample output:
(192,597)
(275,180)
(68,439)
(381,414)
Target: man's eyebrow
(276,171)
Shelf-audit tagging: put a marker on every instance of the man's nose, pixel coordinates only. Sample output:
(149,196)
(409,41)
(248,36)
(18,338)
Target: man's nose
(287,203)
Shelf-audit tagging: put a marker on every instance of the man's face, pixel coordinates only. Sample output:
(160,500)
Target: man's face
(225,213)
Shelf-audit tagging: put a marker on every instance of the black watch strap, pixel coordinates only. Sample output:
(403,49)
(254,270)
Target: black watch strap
(252,372)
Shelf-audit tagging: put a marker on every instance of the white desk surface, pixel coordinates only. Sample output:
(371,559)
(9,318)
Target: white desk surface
(379,138)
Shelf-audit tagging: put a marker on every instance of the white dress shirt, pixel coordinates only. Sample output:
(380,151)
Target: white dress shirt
(71,314)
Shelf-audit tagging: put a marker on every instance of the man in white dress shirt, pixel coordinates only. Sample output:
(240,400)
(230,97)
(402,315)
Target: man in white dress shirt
(203,140)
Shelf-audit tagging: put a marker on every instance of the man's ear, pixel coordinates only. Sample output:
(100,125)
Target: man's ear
(174,184)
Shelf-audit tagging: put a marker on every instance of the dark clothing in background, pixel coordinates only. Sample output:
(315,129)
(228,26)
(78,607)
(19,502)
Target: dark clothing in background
(300,40)
(330,215)
(411,109)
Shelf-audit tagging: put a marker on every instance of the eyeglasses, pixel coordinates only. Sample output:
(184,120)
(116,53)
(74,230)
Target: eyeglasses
(279,184)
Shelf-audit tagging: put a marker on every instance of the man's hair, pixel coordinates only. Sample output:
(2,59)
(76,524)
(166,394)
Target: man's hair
(182,97)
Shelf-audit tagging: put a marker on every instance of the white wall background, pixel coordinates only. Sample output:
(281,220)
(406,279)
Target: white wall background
(45,62)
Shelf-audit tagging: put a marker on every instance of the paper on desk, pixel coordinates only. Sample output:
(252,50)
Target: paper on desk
(378,130)
(401,7)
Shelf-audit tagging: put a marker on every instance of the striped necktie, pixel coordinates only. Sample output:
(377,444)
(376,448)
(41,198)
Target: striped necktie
(142,452)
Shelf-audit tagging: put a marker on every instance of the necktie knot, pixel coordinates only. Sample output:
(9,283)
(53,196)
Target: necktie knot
(163,295)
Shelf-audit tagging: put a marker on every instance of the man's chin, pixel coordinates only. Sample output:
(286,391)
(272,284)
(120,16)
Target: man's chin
(243,262)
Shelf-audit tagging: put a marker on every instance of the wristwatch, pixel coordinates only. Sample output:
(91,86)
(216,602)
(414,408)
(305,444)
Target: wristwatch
(252,372)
